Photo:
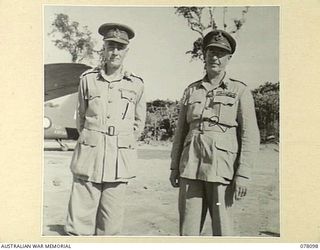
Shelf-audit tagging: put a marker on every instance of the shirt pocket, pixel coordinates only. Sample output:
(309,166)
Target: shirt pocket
(127,156)
(128,100)
(93,98)
(227,143)
(226,154)
(195,106)
(126,142)
(226,109)
(85,155)
(190,153)
(129,95)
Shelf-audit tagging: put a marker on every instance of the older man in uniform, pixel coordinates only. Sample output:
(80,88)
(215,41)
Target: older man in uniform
(111,115)
(215,142)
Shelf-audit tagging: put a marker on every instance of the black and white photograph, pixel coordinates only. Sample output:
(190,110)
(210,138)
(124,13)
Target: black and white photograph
(161,121)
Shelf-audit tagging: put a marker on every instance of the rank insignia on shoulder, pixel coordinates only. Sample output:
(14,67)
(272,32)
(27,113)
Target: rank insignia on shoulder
(89,71)
(134,75)
(129,74)
(234,80)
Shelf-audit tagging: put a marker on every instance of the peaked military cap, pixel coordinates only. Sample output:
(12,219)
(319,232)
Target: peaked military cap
(221,39)
(116,32)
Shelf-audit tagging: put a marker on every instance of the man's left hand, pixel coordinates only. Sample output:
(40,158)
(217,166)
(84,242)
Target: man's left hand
(240,187)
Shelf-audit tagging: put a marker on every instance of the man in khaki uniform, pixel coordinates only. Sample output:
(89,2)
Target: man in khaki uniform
(111,115)
(215,142)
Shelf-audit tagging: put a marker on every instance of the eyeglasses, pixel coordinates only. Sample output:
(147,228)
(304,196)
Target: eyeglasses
(113,45)
(218,52)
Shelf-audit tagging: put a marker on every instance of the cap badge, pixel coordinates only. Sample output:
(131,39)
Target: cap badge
(116,33)
(218,37)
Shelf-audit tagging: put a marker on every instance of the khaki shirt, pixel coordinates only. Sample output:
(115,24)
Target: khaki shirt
(217,135)
(110,117)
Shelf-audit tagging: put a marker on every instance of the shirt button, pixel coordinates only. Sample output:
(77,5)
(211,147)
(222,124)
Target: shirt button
(109,101)
(108,116)
(111,86)
(207,108)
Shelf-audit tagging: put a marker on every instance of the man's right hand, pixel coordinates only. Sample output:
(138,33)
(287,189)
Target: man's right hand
(174,177)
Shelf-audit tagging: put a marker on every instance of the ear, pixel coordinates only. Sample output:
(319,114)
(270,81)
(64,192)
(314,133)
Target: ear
(126,50)
(104,48)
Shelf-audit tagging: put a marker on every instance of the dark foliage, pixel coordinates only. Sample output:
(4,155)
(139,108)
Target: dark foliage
(162,115)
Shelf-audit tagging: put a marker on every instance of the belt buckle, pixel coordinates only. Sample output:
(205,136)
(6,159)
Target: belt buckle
(111,130)
(214,120)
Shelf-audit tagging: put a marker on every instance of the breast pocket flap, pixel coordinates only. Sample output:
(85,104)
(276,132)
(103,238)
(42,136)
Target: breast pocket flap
(92,94)
(225,100)
(195,99)
(130,95)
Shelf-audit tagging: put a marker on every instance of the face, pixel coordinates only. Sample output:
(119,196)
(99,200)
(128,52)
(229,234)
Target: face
(216,59)
(114,53)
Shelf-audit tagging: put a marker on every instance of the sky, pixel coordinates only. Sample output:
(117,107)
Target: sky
(157,53)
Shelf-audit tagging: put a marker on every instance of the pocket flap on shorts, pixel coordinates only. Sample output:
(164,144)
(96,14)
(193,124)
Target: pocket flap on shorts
(126,141)
(89,137)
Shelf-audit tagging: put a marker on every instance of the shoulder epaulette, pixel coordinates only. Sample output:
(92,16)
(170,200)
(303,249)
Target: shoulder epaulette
(90,71)
(194,83)
(234,80)
(134,75)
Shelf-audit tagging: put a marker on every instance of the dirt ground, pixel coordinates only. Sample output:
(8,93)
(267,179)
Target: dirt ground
(151,205)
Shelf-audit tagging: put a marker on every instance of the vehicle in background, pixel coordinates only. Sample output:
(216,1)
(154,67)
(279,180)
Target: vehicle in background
(61,81)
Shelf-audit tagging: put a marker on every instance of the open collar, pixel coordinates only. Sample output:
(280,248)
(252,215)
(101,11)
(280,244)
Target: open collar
(208,86)
(123,74)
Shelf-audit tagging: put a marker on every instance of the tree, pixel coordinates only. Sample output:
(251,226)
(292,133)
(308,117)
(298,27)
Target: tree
(71,37)
(200,19)
(161,119)
(266,99)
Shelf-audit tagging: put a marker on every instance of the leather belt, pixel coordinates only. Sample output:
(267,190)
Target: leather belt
(206,125)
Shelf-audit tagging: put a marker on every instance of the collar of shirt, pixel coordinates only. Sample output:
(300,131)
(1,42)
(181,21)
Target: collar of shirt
(208,86)
(123,74)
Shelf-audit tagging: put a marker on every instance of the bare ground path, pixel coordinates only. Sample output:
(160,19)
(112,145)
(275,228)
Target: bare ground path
(151,205)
